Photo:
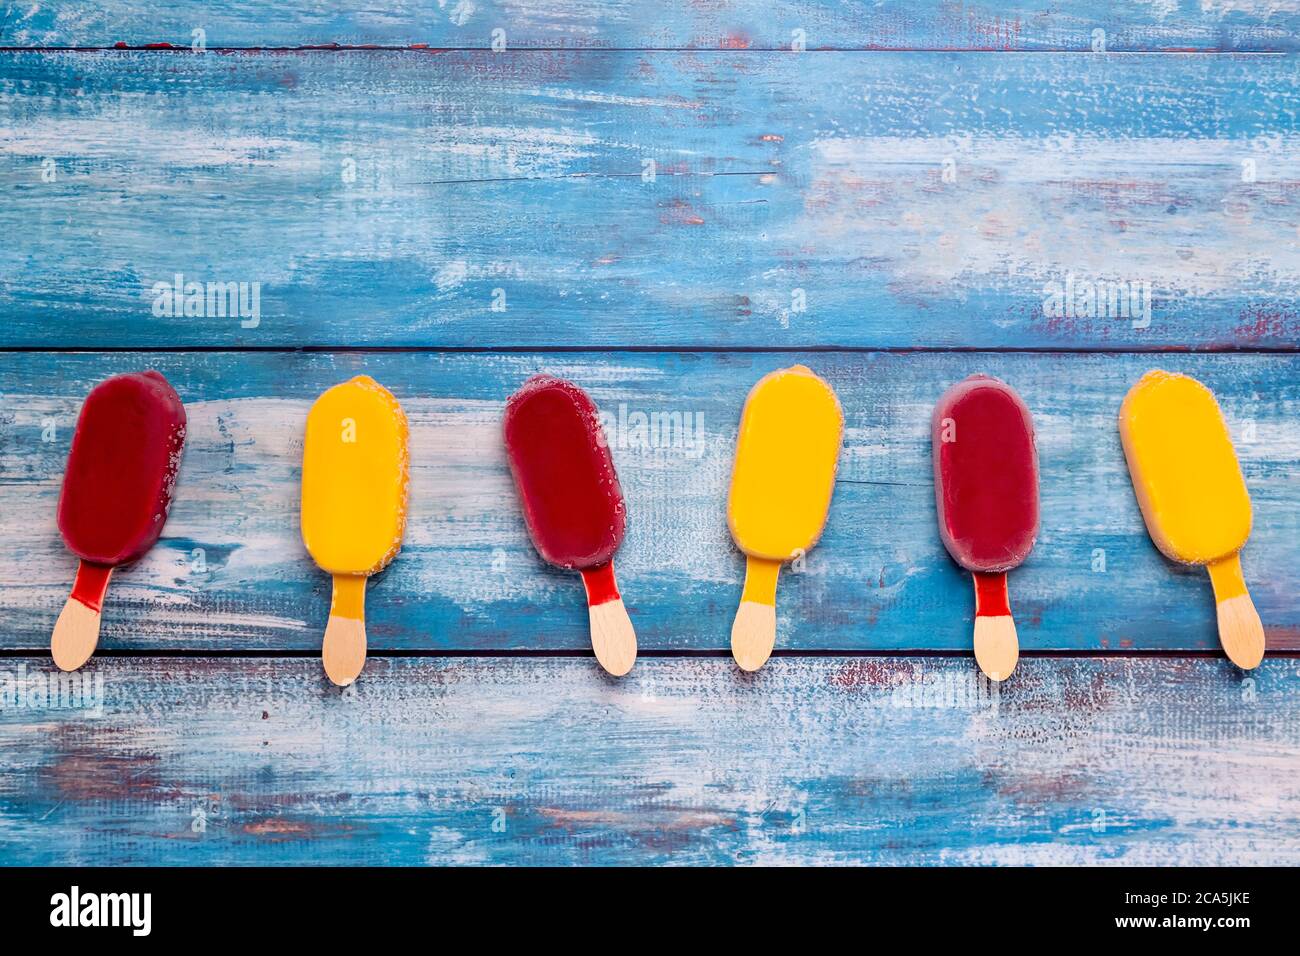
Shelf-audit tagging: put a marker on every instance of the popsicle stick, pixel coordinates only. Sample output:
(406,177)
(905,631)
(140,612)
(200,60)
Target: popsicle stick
(344,650)
(1240,630)
(76,632)
(612,636)
(753,633)
(996,646)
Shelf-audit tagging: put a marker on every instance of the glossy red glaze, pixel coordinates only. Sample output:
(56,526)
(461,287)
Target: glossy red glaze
(122,468)
(600,584)
(562,467)
(985,474)
(91,584)
(991,598)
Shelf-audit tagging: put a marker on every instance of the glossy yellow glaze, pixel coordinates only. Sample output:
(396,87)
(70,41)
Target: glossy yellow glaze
(1184,468)
(786,454)
(354,478)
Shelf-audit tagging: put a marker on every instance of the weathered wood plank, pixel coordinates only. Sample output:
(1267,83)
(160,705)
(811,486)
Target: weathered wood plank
(873,200)
(675,24)
(814,761)
(231,571)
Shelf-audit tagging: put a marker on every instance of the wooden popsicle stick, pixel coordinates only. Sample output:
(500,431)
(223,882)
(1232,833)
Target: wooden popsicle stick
(76,632)
(1240,630)
(997,648)
(612,636)
(753,633)
(344,650)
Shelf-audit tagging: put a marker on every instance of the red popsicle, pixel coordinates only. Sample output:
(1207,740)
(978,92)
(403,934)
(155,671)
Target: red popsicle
(116,492)
(572,502)
(986,491)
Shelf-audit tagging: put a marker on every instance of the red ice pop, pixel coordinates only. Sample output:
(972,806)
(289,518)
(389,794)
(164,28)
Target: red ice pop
(986,491)
(116,492)
(572,502)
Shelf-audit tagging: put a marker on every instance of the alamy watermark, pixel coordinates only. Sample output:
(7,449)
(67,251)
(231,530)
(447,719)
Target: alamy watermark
(946,690)
(133,911)
(1100,298)
(211,300)
(52,690)
(644,431)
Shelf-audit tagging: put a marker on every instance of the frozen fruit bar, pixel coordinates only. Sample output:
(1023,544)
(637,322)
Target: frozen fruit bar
(116,493)
(572,503)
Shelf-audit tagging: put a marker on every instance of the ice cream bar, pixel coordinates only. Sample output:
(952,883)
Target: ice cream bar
(986,495)
(781,483)
(1192,495)
(572,502)
(355,473)
(117,490)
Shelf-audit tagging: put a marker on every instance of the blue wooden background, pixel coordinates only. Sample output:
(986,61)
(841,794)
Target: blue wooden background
(663,202)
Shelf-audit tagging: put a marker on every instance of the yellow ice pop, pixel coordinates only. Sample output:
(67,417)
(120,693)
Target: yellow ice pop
(781,487)
(355,471)
(1192,495)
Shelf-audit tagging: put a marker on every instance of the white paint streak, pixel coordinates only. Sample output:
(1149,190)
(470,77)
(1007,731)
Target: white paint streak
(1024,211)
(811,761)
(125,133)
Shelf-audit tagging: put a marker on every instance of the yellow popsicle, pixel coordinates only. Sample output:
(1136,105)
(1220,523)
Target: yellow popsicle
(781,486)
(355,472)
(1192,495)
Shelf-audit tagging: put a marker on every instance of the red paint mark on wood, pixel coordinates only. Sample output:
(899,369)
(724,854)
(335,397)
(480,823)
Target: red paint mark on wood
(679,213)
(1090,697)
(1039,789)
(1282,638)
(96,777)
(856,674)
(1256,323)
(734,41)
(982,31)
(278,829)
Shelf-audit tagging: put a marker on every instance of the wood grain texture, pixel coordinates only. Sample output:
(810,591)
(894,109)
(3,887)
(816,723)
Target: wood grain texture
(814,761)
(394,197)
(231,571)
(514,181)
(674,24)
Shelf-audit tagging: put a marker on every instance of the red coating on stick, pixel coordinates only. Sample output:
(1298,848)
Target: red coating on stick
(572,502)
(991,594)
(600,583)
(91,584)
